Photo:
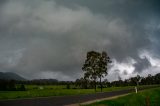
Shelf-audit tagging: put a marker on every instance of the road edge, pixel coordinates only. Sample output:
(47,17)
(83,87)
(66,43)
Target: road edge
(97,100)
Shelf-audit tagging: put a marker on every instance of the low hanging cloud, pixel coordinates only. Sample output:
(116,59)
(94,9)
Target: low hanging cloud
(142,64)
(48,39)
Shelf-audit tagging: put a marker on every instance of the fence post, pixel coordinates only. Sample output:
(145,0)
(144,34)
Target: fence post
(136,89)
(147,101)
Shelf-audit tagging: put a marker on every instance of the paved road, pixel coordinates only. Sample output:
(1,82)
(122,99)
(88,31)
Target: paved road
(63,100)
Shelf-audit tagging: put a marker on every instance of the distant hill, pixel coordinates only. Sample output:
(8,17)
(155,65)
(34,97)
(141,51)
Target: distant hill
(11,76)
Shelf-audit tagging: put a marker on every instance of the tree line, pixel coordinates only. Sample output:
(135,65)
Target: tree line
(82,83)
(133,81)
(10,85)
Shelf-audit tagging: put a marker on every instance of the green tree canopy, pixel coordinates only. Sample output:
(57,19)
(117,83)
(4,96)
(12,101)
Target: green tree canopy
(95,66)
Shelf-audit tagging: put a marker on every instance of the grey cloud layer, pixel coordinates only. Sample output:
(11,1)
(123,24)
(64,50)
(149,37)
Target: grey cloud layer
(38,36)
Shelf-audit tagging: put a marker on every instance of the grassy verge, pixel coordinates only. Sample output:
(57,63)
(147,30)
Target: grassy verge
(34,91)
(150,97)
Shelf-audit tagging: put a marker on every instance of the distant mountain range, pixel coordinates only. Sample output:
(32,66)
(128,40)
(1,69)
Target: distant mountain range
(11,76)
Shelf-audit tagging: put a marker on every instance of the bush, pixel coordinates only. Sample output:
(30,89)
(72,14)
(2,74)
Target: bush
(21,88)
(68,86)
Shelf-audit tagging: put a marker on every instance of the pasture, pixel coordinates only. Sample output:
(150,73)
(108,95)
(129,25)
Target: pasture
(148,97)
(33,91)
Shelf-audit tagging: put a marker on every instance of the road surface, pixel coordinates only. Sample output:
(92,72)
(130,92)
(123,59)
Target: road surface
(63,100)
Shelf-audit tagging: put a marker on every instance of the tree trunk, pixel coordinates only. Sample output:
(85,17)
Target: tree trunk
(95,85)
(101,83)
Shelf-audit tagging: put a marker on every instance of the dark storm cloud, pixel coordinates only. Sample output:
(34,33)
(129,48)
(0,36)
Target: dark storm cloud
(51,38)
(142,64)
(134,13)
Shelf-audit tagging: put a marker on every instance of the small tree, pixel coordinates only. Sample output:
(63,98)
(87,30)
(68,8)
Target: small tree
(22,87)
(68,86)
(138,80)
(11,85)
(82,83)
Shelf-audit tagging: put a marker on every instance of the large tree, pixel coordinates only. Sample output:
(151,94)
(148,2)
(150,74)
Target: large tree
(95,66)
(103,66)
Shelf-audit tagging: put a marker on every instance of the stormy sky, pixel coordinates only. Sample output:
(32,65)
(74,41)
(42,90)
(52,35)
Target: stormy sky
(50,38)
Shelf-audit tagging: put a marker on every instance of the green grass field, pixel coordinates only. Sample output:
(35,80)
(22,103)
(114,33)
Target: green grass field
(150,97)
(50,90)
